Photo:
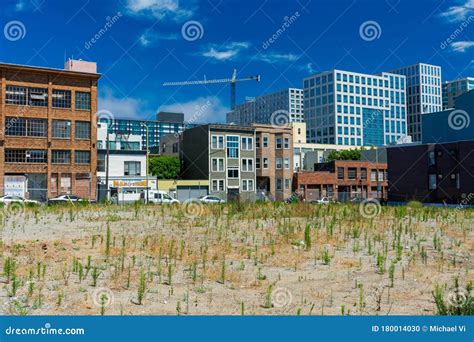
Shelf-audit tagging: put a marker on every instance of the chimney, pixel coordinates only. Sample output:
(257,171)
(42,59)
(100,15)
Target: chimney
(81,66)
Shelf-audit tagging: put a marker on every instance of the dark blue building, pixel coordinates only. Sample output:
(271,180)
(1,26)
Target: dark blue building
(454,124)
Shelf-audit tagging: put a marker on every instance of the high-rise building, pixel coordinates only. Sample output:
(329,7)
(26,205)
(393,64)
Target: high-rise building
(156,128)
(354,109)
(277,108)
(423,94)
(452,89)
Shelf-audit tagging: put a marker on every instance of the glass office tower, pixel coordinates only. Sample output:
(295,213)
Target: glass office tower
(348,108)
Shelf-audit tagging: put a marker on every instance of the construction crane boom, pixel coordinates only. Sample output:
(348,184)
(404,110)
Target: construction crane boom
(233,80)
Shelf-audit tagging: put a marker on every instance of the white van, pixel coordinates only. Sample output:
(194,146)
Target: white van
(159,197)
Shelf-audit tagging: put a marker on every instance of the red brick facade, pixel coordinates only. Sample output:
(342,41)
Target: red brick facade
(343,180)
(82,177)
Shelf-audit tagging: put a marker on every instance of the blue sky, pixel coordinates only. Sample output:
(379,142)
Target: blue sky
(146,43)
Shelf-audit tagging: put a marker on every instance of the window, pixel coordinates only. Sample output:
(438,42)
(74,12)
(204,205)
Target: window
(265,141)
(132,168)
(257,142)
(431,158)
(278,162)
(61,157)
(101,162)
(218,164)
(129,145)
(363,173)
(247,165)
(247,185)
(83,100)
(61,129)
(38,97)
(287,163)
(373,175)
(232,146)
(83,130)
(247,143)
(217,142)
(257,163)
(279,184)
(218,185)
(15,95)
(432,182)
(287,183)
(265,163)
(26,127)
(82,157)
(278,143)
(61,98)
(232,173)
(340,173)
(25,156)
(66,183)
(286,143)
(352,173)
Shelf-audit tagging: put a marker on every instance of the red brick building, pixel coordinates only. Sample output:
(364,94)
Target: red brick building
(343,180)
(48,135)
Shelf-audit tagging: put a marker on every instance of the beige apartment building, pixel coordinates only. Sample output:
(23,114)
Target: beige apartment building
(274,161)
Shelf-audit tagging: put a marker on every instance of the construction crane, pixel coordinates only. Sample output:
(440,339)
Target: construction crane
(233,80)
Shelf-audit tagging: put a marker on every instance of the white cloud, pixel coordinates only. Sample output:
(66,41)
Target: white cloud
(160,9)
(461,46)
(276,57)
(459,12)
(148,38)
(225,52)
(201,110)
(120,108)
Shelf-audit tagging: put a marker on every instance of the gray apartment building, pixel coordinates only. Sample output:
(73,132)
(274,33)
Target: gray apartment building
(224,154)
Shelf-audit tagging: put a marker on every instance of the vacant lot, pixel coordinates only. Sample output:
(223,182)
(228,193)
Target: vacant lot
(259,259)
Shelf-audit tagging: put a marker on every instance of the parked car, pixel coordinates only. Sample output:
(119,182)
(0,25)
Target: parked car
(210,199)
(62,199)
(8,199)
(323,200)
(159,197)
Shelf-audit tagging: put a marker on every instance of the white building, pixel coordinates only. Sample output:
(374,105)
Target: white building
(354,109)
(276,108)
(424,95)
(127,170)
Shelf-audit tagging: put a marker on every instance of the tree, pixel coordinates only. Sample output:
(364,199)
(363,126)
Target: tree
(164,167)
(344,155)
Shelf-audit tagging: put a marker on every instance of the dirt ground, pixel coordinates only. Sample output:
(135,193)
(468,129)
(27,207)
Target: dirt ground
(260,259)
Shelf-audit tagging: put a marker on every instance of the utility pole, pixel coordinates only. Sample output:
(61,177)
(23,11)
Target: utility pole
(147,155)
(107,165)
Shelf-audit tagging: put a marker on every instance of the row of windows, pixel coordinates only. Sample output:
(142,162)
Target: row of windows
(279,142)
(279,163)
(61,129)
(219,185)
(41,156)
(38,97)
(218,164)
(352,174)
